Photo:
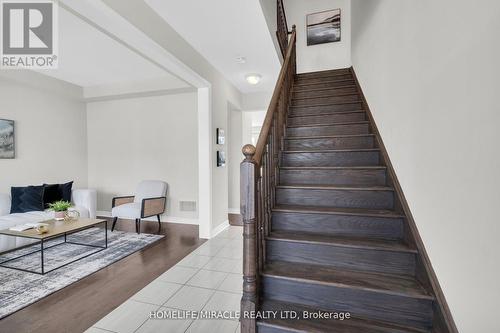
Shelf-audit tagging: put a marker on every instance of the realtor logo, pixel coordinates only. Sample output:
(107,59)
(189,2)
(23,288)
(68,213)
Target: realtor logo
(29,38)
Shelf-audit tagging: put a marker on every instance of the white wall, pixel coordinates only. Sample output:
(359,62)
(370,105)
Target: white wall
(50,132)
(430,72)
(136,139)
(323,56)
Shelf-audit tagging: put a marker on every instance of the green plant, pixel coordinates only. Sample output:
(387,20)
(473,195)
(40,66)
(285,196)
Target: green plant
(60,206)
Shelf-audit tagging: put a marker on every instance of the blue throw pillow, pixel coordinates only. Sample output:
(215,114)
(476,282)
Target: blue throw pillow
(56,192)
(27,199)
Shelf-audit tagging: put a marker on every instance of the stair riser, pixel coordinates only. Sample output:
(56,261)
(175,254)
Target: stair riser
(333,177)
(301,93)
(351,142)
(310,80)
(360,303)
(328,73)
(381,199)
(348,158)
(328,130)
(335,118)
(324,109)
(325,85)
(326,100)
(339,225)
(342,257)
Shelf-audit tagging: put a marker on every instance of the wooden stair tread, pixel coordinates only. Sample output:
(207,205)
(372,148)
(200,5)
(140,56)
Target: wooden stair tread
(335,187)
(369,167)
(327,114)
(337,211)
(327,104)
(321,113)
(332,150)
(342,241)
(325,89)
(352,325)
(294,98)
(331,124)
(328,136)
(376,282)
(304,82)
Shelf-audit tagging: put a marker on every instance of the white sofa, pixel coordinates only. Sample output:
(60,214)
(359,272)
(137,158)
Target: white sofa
(84,201)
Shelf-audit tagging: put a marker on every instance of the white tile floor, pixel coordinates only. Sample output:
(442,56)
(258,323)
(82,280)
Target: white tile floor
(210,278)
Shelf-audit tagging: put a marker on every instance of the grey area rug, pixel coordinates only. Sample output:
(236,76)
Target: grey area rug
(19,289)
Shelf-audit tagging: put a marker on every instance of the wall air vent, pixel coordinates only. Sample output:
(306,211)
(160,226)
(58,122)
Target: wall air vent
(187,206)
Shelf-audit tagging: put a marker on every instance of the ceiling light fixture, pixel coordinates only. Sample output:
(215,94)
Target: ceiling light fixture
(253,79)
(241,60)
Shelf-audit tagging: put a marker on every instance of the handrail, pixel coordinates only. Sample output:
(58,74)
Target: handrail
(259,174)
(281,27)
(273,105)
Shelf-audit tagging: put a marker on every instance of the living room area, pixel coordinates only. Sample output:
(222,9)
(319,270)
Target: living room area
(114,194)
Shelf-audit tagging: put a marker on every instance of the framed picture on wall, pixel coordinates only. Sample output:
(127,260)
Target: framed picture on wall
(221,137)
(7,139)
(221,158)
(323,27)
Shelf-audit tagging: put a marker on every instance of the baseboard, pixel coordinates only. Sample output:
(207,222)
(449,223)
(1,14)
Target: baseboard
(233,210)
(169,219)
(220,228)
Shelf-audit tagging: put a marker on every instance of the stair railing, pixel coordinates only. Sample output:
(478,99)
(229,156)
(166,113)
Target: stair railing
(258,179)
(282,27)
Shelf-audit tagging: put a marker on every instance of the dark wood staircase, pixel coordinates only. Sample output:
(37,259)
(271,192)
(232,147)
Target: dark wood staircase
(339,239)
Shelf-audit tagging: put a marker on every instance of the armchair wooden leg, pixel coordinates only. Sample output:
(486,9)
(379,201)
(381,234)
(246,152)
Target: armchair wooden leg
(138,226)
(159,223)
(114,223)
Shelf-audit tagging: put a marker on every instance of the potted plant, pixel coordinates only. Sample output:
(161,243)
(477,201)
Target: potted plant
(60,208)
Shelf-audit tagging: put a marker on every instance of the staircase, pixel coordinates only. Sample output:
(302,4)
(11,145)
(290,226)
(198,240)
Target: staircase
(338,238)
(337,242)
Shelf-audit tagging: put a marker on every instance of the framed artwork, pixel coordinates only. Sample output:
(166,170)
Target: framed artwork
(323,27)
(221,137)
(7,139)
(221,158)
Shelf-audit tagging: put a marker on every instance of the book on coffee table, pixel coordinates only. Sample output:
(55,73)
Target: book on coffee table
(27,226)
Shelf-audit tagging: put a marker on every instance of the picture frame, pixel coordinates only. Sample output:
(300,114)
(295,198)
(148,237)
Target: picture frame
(220,136)
(221,158)
(324,27)
(7,139)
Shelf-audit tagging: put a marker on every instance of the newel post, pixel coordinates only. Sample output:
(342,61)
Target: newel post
(248,209)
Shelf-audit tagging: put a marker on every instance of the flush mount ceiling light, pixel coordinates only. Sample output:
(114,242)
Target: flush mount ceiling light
(253,79)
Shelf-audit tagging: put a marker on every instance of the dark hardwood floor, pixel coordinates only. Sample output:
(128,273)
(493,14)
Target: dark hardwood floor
(78,306)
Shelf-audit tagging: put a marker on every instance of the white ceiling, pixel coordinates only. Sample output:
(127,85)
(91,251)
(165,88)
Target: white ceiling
(223,30)
(90,58)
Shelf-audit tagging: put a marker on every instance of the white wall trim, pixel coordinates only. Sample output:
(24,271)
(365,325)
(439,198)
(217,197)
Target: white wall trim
(233,210)
(205,161)
(165,92)
(220,228)
(170,219)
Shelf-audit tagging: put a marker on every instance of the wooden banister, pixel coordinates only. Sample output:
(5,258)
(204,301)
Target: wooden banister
(281,27)
(259,174)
